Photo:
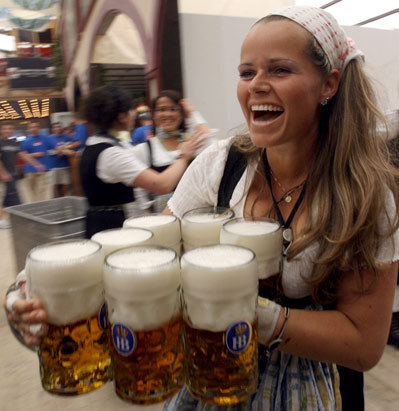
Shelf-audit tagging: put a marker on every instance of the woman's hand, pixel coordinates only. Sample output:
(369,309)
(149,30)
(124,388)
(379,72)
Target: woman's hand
(187,107)
(26,316)
(189,147)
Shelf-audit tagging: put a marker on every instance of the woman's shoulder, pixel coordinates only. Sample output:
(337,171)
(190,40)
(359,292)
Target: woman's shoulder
(217,150)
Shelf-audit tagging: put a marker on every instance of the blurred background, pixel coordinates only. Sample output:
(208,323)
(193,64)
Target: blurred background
(53,52)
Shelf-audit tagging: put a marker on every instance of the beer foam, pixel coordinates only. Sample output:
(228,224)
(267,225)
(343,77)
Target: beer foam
(141,272)
(264,238)
(150,220)
(251,227)
(141,258)
(220,286)
(114,239)
(219,257)
(64,253)
(199,229)
(219,272)
(68,278)
(141,286)
(206,218)
(166,228)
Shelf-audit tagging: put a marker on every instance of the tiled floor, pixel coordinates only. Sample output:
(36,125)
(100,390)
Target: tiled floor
(20,388)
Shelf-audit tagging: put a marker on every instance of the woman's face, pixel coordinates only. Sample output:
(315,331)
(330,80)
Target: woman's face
(167,114)
(280,89)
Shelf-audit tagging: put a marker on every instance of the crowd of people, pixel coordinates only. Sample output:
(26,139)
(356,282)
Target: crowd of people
(301,84)
(51,162)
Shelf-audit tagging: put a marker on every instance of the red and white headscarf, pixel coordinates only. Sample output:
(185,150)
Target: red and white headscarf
(337,46)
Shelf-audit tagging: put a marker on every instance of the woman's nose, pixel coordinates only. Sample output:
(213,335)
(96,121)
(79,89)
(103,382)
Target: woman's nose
(259,83)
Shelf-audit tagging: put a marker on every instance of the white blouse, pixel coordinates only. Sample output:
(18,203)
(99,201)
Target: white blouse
(199,188)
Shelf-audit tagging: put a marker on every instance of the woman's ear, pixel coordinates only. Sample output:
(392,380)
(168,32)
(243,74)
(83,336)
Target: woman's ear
(330,85)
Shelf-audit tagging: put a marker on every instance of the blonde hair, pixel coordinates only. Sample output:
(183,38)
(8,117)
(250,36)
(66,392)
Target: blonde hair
(348,182)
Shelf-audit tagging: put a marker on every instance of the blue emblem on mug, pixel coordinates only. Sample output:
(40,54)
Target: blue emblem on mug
(124,339)
(102,317)
(238,337)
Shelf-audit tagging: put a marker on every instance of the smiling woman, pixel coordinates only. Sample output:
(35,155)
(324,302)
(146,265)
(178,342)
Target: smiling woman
(175,119)
(310,159)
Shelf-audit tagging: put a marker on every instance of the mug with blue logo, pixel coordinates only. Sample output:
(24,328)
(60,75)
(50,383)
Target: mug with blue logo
(142,291)
(220,288)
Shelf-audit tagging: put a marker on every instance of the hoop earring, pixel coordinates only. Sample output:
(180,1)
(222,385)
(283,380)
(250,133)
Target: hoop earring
(324,102)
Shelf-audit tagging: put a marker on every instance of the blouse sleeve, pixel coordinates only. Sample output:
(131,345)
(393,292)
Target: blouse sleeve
(119,165)
(200,183)
(193,120)
(388,250)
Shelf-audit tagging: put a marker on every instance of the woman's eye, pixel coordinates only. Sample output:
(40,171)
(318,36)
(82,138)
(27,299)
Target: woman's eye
(246,74)
(281,70)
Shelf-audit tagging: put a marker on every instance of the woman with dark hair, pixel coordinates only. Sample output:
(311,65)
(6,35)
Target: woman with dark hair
(109,169)
(174,121)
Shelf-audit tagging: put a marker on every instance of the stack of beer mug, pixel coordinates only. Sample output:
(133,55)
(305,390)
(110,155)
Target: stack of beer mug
(153,302)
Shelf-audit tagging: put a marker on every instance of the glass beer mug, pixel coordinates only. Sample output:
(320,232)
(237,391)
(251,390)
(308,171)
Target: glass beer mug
(142,293)
(201,226)
(68,277)
(166,229)
(220,289)
(116,238)
(264,236)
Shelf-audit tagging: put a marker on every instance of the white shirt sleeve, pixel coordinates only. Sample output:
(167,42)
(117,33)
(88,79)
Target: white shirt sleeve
(199,185)
(388,250)
(193,120)
(119,165)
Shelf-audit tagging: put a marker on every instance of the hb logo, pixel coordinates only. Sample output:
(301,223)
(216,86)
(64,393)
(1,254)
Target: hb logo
(123,339)
(238,337)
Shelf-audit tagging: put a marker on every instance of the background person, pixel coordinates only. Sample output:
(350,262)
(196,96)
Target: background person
(143,125)
(9,151)
(59,161)
(311,159)
(109,169)
(174,120)
(37,180)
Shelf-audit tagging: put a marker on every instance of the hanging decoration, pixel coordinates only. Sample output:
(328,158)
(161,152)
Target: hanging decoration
(35,4)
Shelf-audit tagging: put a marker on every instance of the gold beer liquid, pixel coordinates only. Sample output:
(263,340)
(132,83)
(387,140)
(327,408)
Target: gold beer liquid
(156,365)
(216,375)
(75,358)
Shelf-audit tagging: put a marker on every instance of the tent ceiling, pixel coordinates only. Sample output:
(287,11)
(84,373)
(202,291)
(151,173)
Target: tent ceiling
(381,14)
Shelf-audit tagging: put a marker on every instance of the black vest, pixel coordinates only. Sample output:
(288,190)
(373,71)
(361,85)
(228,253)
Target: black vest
(97,192)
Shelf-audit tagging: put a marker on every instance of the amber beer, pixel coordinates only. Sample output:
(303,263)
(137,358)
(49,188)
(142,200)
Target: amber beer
(220,287)
(67,276)
(142,294)
(264,236)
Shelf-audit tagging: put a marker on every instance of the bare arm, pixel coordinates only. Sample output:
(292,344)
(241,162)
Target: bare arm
(167,180)
(354,334)
(31,160)
(4,174)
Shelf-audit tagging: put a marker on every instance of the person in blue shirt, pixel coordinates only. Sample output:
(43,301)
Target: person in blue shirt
(81,133)
(143,125)
(37,181)
(59,160)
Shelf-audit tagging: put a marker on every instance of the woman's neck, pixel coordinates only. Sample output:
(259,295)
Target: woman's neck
(290,166)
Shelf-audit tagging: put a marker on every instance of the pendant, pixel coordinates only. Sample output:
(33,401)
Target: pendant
(288,199)
(288,237)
